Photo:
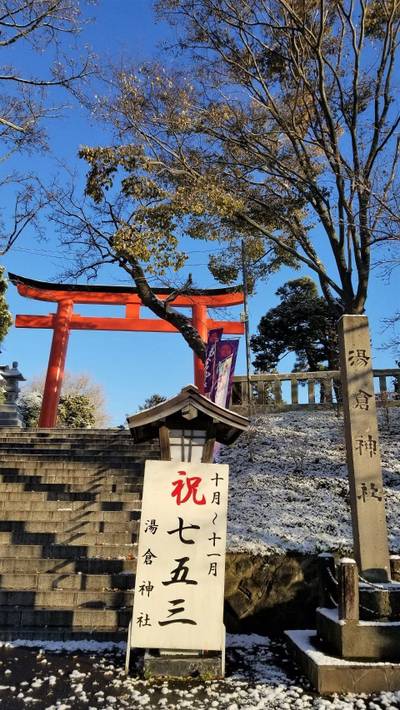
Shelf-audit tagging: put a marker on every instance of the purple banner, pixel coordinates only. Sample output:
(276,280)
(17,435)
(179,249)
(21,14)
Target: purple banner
(214,337)
(225,361)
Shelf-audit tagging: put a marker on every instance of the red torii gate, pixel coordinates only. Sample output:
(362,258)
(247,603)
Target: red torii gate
(61,322)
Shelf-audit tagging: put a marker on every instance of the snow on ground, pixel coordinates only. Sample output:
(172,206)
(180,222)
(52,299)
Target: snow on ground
(259,677)
(288,483)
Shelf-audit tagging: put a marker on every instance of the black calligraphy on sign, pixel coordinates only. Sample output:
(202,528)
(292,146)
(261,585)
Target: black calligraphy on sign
(151,526)
(179,575)
(143,620)
(362,400)
(358,358)
(214,539)
(371,491)
(217,478)
(181,527)
(216,500)
(145,588)
(367,445)
(176,610)
(148,557)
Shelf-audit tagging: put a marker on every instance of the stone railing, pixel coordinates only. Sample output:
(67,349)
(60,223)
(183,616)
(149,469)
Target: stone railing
(292,390)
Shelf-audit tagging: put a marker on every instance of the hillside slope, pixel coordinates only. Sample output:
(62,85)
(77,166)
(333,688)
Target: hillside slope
(289,488)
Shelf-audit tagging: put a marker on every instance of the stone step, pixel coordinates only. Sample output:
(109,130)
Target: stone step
(119,461)
(115,635)
(70,496)
(71,451)
(77,582)
(60,599)
(69,526)
(70,517)
(20,536)
(96,450)
(68,551)
(63,434)
(58,469)
(17,462)
(70,478)
(62,566)
(68,618)
(42,503)
(28,485)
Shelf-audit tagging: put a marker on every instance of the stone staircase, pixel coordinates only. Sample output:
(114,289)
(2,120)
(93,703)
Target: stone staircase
(69,519)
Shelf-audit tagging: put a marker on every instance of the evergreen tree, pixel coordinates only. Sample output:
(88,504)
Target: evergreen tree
(5,315)
(303,324)
(152,401)
(76,411)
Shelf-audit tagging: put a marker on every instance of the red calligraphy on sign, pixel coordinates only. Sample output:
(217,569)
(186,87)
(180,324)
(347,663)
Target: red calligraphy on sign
(190,485)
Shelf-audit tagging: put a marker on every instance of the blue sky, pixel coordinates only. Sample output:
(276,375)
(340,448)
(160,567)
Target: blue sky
(131,366)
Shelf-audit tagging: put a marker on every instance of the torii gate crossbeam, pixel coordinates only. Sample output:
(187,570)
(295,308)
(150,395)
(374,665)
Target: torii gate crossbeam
(64,320)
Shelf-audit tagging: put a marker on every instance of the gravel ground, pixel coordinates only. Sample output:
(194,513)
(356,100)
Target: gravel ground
(260,676)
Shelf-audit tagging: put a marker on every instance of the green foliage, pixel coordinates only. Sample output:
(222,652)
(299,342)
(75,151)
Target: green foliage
(76,411)
(29,405)
(5,315)
(81,403)
(152,401)
(303,324)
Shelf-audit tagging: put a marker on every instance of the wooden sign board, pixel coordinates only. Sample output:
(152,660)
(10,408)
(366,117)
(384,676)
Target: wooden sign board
(179,591)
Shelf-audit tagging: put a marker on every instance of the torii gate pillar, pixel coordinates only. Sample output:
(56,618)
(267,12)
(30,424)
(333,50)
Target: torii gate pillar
(56,366)
(199,321)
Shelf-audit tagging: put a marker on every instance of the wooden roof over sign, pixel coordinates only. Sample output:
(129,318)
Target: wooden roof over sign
(194,411)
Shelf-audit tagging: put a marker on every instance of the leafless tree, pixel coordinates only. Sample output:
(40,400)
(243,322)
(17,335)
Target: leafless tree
(38,28)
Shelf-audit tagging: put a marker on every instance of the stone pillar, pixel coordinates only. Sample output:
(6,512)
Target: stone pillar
(362,446)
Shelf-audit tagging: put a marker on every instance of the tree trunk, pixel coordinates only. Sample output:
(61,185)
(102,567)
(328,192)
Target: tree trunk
(163,310)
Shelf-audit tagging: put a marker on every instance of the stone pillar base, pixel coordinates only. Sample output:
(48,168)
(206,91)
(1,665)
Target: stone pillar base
(329,674)
(9,416)
(359,640)
(208,666)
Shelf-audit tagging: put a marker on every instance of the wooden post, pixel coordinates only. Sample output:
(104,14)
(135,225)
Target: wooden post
(349,607)
(165,449)
(208,448)
(327,580)
(55,370)
(362,447)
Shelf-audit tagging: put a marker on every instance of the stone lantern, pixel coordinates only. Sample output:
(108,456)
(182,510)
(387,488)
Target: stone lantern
(11,376)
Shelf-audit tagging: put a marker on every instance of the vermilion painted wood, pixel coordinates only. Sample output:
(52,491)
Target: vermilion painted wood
(148,325)
(55,370)
(45,294)
(65,320)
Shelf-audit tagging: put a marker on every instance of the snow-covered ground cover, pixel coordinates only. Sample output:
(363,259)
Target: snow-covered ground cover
(259,677)
(289,488)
